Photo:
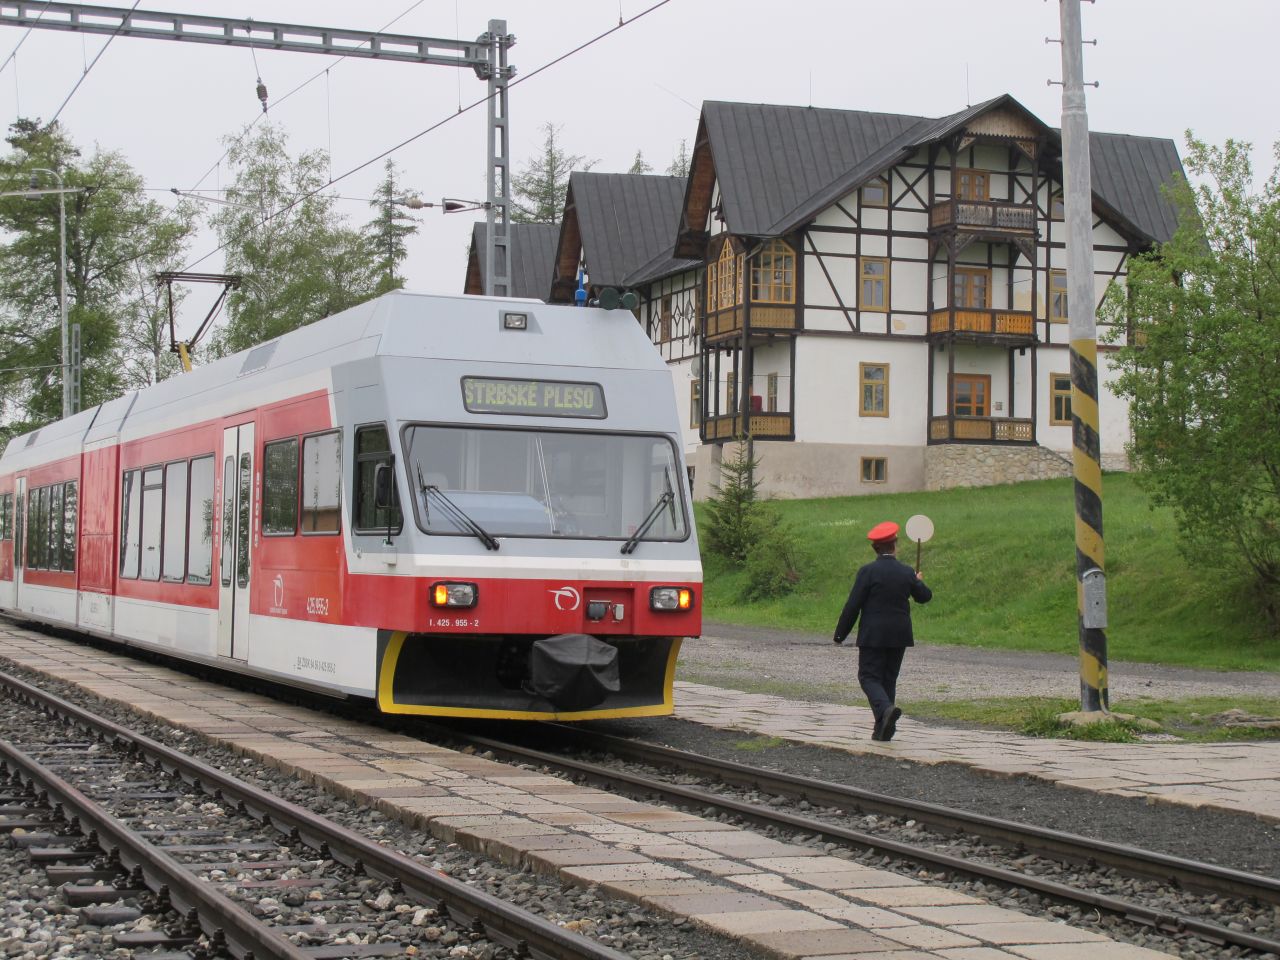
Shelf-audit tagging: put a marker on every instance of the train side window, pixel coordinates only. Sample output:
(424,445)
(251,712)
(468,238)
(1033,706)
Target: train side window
(174,566)
(53,553)
(200,523)
(228,519)
(321,482)
(38,542)
(152,522)
(280,488)
(373,447)
(130,526)
(70,511)
(6,516)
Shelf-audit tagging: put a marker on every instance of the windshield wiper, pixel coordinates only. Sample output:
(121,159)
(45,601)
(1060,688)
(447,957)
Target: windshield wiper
(633,541)
(458,516)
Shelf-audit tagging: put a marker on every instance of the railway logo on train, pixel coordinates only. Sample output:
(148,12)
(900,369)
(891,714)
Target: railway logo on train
(451,506)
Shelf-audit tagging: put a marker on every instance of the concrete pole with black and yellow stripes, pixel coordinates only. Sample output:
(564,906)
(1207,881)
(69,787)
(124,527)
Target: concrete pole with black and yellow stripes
(1086,452)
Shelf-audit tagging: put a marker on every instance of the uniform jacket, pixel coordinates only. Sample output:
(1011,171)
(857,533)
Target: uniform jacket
(880,603)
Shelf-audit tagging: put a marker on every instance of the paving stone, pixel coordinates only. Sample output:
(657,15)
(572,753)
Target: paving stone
(743,923)
(964,914)
(928,938)
(915,894)
(1029,931)
(817,942)
(1086,951)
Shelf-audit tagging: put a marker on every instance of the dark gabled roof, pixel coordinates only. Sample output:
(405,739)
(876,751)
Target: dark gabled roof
(663,265)
(625,221)
(770,159)
(1129,173)
(779,166)
(532,249)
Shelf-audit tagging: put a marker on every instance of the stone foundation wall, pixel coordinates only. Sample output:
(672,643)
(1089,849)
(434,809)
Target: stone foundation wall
(805,470)
(948,465)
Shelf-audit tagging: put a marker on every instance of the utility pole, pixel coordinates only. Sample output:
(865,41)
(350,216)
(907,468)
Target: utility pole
(486,55)
(1091,597)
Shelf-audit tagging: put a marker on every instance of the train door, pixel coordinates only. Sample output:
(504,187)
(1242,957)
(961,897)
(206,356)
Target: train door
(237,530)
(19,538)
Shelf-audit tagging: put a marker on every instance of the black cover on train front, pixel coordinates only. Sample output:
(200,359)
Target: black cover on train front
(573,670)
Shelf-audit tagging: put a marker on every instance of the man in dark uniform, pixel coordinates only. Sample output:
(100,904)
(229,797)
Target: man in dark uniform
(880,604)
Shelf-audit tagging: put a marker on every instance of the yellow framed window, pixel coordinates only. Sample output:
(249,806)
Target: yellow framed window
(773,272)
(664,321)
(712,281)
(873,286)
(874,393)
(695,403)
(875,193)
(971,395)
(875,469)
(1060,399)
(728,278)
(1057,206)
(1058,296)
(972,185)
(771,393)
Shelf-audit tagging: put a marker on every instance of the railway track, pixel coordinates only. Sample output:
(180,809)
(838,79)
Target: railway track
(116,816)
(1017,856)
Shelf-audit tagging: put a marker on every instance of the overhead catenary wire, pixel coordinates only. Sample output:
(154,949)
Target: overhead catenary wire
(279,100)
(437,125)
(13,53)
(123,21)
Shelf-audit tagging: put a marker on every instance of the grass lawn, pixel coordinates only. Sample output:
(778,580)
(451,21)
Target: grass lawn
(1002,568)
(1199,719)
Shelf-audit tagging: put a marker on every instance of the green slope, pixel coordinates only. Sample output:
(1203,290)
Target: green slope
(1001,564)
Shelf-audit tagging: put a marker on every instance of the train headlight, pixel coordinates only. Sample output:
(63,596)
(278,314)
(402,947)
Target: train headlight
(454,594)
(671,598)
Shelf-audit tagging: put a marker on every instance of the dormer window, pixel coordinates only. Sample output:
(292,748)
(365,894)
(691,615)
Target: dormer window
(875,193)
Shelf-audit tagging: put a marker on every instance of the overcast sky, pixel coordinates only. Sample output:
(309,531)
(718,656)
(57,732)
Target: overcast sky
(1165,66)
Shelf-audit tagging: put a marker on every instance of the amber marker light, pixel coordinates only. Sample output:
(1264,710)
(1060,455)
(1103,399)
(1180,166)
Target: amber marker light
(671,598)
(454,594)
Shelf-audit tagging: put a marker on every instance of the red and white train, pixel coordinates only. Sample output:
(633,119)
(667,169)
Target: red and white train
(454,506)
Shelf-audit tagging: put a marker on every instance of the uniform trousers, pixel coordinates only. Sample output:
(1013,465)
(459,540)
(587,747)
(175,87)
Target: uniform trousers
(878,676)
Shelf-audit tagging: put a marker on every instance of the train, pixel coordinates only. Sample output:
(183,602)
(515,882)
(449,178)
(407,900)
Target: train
(449,506)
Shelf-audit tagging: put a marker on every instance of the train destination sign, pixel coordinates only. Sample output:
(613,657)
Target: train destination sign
(533,398)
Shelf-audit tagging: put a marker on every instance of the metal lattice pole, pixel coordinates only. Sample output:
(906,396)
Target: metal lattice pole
(1086,452)
(497,272)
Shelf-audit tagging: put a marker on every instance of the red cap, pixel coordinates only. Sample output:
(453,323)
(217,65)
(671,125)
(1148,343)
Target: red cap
(883,531)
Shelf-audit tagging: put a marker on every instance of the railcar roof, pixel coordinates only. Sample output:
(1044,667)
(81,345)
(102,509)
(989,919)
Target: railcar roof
(453,328)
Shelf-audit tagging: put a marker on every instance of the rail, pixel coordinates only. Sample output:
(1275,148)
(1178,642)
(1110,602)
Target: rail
(822,793)
(465,905)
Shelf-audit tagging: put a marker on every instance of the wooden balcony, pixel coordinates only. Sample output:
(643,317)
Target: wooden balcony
(991,217)
(981,430)
(763,426)
(764,318)
(1013,324)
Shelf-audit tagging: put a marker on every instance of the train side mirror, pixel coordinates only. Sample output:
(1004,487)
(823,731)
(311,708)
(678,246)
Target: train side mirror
(384,487)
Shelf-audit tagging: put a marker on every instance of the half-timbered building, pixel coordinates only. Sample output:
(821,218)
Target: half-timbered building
(878,300)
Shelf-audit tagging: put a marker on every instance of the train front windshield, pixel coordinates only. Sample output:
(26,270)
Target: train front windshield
(546,483)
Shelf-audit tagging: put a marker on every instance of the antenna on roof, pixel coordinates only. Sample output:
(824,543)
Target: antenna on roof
(968,101)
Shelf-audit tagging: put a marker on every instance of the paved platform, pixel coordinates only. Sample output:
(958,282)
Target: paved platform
(782,899)
(1241,777)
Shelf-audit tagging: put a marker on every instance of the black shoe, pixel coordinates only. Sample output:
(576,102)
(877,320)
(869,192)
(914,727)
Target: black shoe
(875,731)
(890,725)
